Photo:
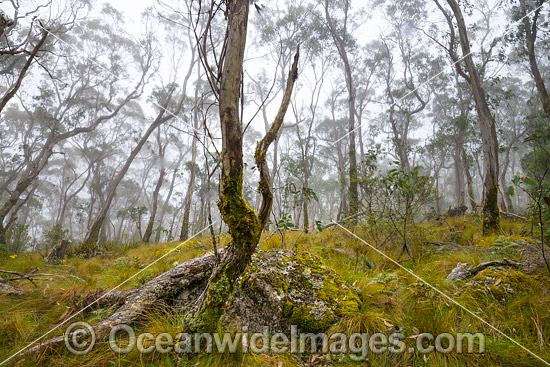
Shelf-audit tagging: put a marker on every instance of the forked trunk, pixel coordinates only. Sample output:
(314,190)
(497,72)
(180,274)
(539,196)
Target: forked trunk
(244,224)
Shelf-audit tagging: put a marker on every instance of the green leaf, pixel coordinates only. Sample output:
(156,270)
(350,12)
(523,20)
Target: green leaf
(319,225)
(370,263)
(511,191)
(529,181)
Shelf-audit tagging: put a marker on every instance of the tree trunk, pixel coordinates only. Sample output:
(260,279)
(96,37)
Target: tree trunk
(155,198)
(491,215)
(530,39)
(89,246)
(184,234)
(460,195)
(469,181)
(244,224)
(168,196)
(341,46)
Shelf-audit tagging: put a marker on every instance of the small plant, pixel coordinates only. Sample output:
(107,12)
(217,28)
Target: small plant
(536,189)
(409,190)
(283,224)
(54,236)
(18,239)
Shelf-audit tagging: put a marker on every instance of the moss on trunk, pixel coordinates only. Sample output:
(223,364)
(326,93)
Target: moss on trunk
(491,213)
(245,229)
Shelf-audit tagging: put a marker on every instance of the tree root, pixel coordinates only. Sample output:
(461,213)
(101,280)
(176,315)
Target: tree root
(135,302)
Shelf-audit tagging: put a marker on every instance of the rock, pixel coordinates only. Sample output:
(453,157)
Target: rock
(455,212)
(500,284)
(281,288)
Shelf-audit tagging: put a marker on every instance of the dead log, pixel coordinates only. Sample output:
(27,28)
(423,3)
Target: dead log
(31,276)
(8,290)
(57,254)
(513,216)
(463,271)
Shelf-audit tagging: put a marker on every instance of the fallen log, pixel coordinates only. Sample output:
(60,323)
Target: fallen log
(8,290)
(463,271)
(33,275)
(513,216)
(279,288)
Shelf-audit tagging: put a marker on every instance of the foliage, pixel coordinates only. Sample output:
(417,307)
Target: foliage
(19,239)
(407,193)
(54,236)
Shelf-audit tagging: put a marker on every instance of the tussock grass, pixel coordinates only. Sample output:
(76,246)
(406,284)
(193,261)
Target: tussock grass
(392,298)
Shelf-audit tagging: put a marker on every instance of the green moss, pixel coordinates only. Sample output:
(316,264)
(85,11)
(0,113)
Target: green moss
(287,309)
(243,223)
(491,213)
(312,318)
(501,284)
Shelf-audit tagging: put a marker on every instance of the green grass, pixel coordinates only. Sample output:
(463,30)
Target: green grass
(392,297)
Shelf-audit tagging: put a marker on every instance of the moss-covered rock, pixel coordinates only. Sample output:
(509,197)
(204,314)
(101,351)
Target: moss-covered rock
(282,288)
(500,284)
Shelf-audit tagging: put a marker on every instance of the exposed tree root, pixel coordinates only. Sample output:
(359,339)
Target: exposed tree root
(135,302)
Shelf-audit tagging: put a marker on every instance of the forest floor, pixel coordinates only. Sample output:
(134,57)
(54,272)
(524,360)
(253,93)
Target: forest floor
(392,298)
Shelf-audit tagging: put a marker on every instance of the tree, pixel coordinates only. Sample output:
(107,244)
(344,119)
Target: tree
(491,216)
(154,205)
(244,224)
(530,13)
(89,246)
(342,40)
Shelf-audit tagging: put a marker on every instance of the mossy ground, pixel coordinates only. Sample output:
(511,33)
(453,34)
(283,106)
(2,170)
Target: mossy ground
(391,297)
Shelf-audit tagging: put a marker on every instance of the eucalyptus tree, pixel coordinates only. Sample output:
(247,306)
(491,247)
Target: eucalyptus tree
(73,98)
(245,226)
(160,160)
(366,73)
(491,216)
(344,42)
(532,34)
(198,107)
(306,115)
(25,39)
(169,106)
(282,26)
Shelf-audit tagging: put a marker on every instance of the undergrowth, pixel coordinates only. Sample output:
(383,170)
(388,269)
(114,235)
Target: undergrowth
(392,298)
